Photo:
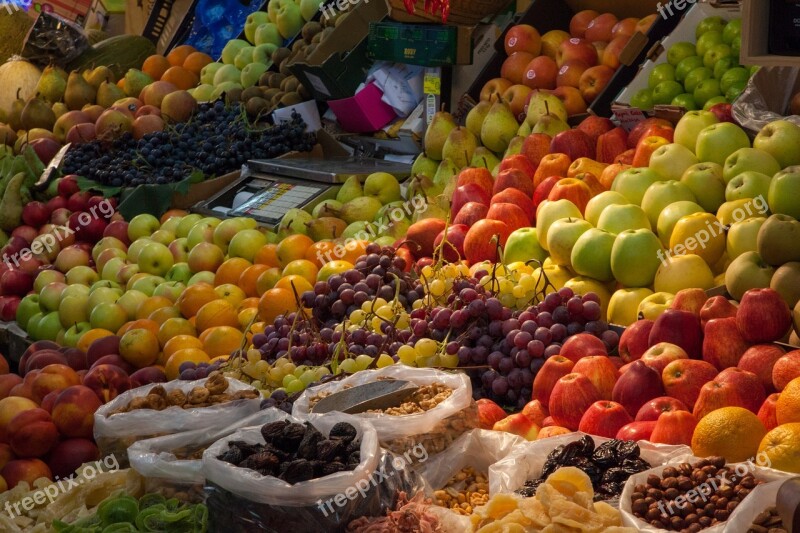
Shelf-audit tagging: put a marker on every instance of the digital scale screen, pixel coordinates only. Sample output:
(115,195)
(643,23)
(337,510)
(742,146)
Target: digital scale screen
(271,203)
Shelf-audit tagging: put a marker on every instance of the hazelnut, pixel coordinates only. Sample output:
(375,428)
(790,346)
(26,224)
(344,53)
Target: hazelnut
(676,522)
(702,463)
(653,515)
(670,483)
(640,488)
(721,515)
(655,523)
(731,506)
(709,509)
(726,491)
(722,503)
(685,484)
(653,480)
(687,510)
(671,494)
(639,507)
(704,521)
(691,518)
(748,482)
(669,472)
(694,528)
(685,469)
(649,501)
(698,476)
(717,461)
(656,494)
(742,493)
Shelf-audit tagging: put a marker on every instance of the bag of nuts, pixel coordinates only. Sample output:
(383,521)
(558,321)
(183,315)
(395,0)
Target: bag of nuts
(439,413)
(173,464)
(167,408)
(754,511)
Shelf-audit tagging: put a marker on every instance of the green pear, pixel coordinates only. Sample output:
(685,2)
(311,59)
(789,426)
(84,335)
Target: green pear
(360,229)
(15,112)
(326,208)
(551,125)
(499,127)
(445,175)
(350,190)
(108,93)
(37,114)
(79,92)
(483,157)
(135,81)
(361,208)
(98,75)
(294,221)
(59,108)
(424,165)
(268,33)
(514,147)
(440,127)
(459,146)
(476,115)
(51,85)
(525,129)
(325,228)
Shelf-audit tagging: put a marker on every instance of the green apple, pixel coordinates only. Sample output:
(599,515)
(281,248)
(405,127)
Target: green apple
(244,57)
(73,309)
(780,139)
(523,245)
(550,211)
(742,237)
(671,215)
(382,186)
(736,74)
(130,302)
(46,276)
(732,30)
(690,125)
(680,272)
(617,218)
(633,182)
(708,24)
(246,244)
(251,73)
(254,21)
(623,307)
(200,232)
(736,46)
(671,161)
(687,65)
(105,283)
(74,333)
(598,203)
(32,328)
(50,296)
(103,295)
(705,91)
(208,72)
(684,100)
(49,326)
(186,224)
(748,271)
(263,53)
(724,65)
(142,225)
(561,237)
(746,159)
(635,257)
(267,33)
(136,248)
(707,40)
(591,254)
(309,8)
(110,316)
(666,91)
(741,209)
(179,272)
(231,49)
(661,73)
(155,258)
(715,53)
(711,102)
(736,89)
(777,240)
(111,268)
(272,10)
(204,276)
(659,195)
(82,274)
(170,290)
(228,73)
(76,290)
(289,20)
(706,183)
(748,184)
(28,306)
(784,192)
(680,51)
(718,141)
(643,99)
(147,284)
(694,78)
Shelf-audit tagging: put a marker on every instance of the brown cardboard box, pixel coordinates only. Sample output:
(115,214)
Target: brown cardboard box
(755,32)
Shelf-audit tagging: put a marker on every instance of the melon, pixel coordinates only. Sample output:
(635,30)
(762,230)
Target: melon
(16,74)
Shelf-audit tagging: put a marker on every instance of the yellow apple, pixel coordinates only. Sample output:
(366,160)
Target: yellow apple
(683,272)
(623,308)
(655,304)
(698,234)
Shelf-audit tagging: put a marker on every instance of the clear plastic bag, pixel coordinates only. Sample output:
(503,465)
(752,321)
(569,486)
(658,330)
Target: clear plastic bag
(765,98)
(165,473)
(435,429)
(115,433)
(54,40)
(242,500)
(527,460)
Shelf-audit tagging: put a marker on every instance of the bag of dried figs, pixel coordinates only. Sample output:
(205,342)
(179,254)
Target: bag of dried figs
(528,461)
(441,412)
(173,464)
(285,494)
(167,408)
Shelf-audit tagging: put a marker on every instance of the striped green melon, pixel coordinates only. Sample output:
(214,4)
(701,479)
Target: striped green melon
(119,53)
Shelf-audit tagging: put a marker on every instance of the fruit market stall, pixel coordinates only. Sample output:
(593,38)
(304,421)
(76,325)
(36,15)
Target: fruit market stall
(400,266)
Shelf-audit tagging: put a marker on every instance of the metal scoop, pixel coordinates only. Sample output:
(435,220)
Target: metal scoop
(380,394)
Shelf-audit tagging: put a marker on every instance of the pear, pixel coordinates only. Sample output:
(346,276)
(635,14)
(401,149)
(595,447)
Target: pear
(550,124)
(98,75)
(541,104)
(499,127)
(476,115)
(15,112)
(420,185)
(525,129)
(431,210)
(325,228)
(37,114)
(361,208)
(459,146)
(350,190)
(59,108)
(359,229)
(294,221)
(515,146)
(445,175)
(11,204)
(436,135)
(51,85)
(108,93)
(424,165)
(79,92)
(135,81)
(326,208)
(483,157)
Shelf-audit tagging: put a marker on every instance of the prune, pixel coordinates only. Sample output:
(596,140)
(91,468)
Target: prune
(307,448)
(297,471)
(232,455)
(354,446)
(344,431)
(328,449)
(354,458)
(290,437)
(273,430)
(332,468)
(245,448)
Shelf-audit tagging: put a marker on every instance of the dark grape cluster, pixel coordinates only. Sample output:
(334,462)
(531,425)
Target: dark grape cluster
(217,140)
(190,371)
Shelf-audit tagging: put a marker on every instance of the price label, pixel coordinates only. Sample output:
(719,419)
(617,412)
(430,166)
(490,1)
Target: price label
(432,84)
(628,117)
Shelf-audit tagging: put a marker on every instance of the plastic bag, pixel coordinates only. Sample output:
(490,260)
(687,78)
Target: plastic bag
(628,518)
(165,473)
(768,90)
(435,429)
(527,460)
(240,499)
(54,40)
(115,433)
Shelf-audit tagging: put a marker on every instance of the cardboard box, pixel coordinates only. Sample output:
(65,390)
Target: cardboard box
(107,15)
(755,37)
(363,112)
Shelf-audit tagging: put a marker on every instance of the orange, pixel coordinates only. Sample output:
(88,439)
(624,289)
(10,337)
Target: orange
(300,284)
(230,271)
(782,447)
(321,252)
(353,250)
(152,303)
(155,66)
(178,55)
(121,84)
(222,340)
(786,409)
(732,432)
(292,247)
(160,315)
(181,78)
(174,327)
(194,297)
(173,213)
(302,267)
(267,255)
(92,335)
(174,362)
(249,278)
(267,280)
(142,323)
(246,316)
(217,313)
(258,327)
(231,294)
(220,358)
(181,342)
(274,303)
(196,61)
(248,303)
(139,347)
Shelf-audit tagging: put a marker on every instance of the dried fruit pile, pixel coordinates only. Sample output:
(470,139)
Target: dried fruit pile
(768,521)
(297,452)
(608,465)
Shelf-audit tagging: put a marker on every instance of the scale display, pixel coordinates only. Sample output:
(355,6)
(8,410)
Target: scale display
(271,203)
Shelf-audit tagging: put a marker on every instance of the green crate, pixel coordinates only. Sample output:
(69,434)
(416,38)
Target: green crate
(428,45)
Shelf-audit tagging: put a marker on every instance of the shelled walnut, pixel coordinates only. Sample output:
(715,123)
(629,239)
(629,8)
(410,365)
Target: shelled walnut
(423,399)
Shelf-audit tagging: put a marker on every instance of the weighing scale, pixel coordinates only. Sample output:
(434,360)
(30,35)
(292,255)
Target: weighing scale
(267,189)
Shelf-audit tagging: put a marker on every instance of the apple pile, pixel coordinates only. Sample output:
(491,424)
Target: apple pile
(575,66)
(698,75)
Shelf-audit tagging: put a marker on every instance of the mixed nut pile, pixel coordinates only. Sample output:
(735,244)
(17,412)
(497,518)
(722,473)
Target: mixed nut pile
(421,400)
(464,491)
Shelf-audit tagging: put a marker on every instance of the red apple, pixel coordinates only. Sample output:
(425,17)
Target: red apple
(542,190)
(535,147)
(553,369)
(674,427)
(471,213)
(453,251)
(471,192)
(423,233)
(601,28)
(786,369)
(522,38)
(572,189)
(639,130)
(604,419)
(517,97)
(483,238)
(572,99)
(600,371)
(35,214)
(610,145)
(653,409)
(515,66)
(767,412)
(635,340)
(594,81)
(479,176)
(571,397)
(576,49)
(519,162)
(512,215)
(723,346)
(684,378)
(760,360)
(493,89)
(513,178)
(748,384)
(636,431)
(518,424)
(716,307)
(575,143)
(638,385)
(691,300)
(595,126)
(541,73)
(582,345)
(681,328)
(715,395)
(536,411)
(580,22)
(658,356)
(763,316)
(518,198)
(723,112)
(489,413)
(610,57)
(569,74)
